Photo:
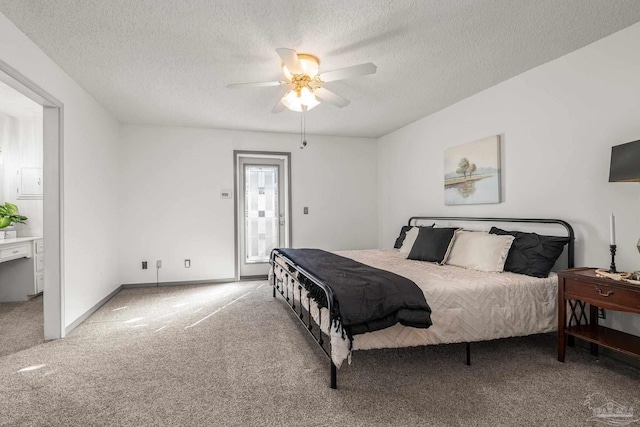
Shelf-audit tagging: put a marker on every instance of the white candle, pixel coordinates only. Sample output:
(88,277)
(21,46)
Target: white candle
(612,229)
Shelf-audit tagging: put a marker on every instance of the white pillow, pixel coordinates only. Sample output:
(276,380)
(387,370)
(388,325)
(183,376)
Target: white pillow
(480,251)
(409,240)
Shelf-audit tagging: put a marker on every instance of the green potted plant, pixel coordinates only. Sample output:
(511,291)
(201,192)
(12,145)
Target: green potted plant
(9,215)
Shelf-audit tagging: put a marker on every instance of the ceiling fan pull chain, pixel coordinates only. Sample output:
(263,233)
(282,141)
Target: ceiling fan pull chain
(304,125)
(303,128)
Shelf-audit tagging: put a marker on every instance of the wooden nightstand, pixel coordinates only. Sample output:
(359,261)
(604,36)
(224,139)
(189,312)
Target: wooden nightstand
(580,286)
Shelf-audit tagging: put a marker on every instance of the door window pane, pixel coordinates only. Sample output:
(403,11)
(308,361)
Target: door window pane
(261,212)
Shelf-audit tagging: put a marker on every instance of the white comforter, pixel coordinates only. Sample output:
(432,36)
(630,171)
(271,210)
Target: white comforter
(466,305)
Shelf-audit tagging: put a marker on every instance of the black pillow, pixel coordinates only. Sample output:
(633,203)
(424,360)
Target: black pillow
(401,237)
(531,253)
(432,244)
(403,234)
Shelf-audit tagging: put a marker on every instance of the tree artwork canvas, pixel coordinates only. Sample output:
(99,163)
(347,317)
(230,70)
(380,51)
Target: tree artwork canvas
(472,173)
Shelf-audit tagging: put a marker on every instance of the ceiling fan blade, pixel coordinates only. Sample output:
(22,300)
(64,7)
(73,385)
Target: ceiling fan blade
(330,97)
(279,108)
(290,59)
(349,72)
(257,84)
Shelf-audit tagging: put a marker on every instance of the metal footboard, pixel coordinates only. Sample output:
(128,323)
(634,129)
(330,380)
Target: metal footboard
(299,310)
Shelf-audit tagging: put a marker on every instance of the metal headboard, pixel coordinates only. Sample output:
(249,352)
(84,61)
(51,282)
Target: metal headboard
(566,225)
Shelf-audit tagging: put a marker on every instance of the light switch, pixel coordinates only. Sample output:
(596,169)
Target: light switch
(306,210)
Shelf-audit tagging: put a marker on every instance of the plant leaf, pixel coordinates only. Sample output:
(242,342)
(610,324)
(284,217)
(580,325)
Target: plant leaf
(9,214)
(11,208)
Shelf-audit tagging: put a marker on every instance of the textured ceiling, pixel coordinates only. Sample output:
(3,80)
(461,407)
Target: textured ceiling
(168,62)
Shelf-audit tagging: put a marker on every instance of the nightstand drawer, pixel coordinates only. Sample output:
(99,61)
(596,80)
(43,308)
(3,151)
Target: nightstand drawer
(601,295)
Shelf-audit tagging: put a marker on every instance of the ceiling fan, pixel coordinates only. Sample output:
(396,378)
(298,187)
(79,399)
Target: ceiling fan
(304,84)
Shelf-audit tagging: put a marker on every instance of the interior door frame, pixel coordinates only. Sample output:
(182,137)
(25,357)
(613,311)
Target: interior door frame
(53,200)
(286,156)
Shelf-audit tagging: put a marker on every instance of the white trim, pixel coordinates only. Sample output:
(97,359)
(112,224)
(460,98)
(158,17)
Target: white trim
(53,144)
(180,283)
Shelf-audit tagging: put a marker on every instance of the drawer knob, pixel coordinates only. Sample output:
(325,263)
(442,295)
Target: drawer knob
(604,294)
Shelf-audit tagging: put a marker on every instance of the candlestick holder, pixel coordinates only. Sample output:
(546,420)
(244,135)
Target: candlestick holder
(612,268)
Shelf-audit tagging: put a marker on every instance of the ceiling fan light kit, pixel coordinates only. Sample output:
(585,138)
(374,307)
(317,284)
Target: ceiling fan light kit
(295,99)
(305,84)
(302,83)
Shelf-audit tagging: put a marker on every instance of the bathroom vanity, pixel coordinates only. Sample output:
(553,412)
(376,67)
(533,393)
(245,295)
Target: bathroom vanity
(21,268)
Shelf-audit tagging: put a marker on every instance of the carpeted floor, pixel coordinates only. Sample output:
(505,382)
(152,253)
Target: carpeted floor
(21,325)
(231,355)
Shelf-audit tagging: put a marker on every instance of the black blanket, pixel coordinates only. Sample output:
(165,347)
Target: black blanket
(366,299)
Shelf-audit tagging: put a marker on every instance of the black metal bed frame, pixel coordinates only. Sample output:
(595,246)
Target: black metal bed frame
(291,302)
(307,276)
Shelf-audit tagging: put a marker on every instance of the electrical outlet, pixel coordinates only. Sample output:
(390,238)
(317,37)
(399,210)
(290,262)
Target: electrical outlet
(144,265)
(601,313)
(306,210)
(187,263)
(158,264)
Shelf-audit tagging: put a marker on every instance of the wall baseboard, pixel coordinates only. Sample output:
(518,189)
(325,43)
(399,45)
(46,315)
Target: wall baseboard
(251,278)
(89,312)
(181,283)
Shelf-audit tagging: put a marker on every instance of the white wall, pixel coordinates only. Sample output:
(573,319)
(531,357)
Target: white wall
(558,123)
(21,146)
(171,207)
(90,176)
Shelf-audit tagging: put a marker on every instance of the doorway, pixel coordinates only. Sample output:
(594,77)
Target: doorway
(52,179)
(262,210)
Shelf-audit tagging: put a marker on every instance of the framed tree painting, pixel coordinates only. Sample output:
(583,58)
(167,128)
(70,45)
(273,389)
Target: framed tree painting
(472,173)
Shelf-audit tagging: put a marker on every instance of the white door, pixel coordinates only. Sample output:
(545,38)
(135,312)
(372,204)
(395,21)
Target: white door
(262,222)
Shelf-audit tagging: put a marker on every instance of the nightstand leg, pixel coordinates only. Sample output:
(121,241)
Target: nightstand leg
(593,320)
(561,348)
(562,322)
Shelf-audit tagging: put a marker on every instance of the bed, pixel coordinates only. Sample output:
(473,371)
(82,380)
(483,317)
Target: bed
(466,305)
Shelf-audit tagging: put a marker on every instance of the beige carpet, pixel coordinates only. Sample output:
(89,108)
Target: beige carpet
(21,325)
(231,355)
